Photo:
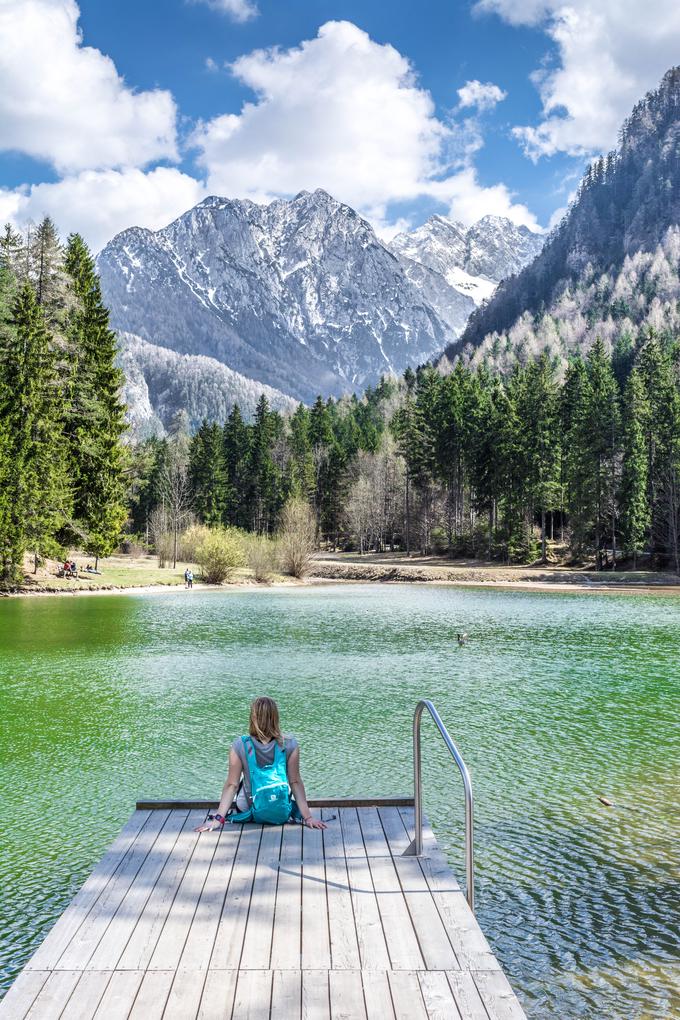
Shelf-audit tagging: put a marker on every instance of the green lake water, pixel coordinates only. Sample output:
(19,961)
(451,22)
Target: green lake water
(557,698)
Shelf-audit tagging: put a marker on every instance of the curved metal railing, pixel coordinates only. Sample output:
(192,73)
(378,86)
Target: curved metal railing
(416,847)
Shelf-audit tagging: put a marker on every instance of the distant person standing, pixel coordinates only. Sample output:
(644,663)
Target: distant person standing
(188,578)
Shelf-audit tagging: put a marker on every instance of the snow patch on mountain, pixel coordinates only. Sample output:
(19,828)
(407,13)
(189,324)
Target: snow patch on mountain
(471,260)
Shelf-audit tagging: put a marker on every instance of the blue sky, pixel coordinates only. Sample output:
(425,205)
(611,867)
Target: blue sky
(115,114)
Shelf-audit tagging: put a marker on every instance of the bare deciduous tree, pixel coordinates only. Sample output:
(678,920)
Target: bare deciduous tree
(297,538)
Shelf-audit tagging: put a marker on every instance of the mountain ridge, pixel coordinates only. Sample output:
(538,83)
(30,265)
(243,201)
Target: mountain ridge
(625,206)
(299,294)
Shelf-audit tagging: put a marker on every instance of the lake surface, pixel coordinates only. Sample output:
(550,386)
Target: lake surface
(557,698)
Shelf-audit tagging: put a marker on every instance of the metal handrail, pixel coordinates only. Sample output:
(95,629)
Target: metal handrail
(416,847)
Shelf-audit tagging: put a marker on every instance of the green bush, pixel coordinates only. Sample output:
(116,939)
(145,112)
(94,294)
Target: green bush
(219,553)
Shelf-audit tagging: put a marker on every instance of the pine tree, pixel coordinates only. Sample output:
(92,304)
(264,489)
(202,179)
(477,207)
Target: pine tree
(540,435)
(634,496)
(265,481)
(12,250)
(236,438)
(600,441)
(573,468)
(659,376)
(300,473)
(96,414)
(35,480)
(47,264)
(207,474)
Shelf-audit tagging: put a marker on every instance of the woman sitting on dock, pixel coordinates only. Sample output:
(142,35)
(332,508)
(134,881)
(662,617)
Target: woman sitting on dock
(264,750)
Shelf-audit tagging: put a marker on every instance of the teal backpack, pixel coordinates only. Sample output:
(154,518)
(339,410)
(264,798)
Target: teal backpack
(271,802)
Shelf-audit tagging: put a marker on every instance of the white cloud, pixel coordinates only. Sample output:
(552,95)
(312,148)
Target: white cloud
(480,95)
(98,204)
(344,113)
(65,102)
(339,112)
(468,200)
(610,52)
(238,10)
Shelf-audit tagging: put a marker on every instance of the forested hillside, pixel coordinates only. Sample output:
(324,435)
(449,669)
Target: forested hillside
(468,463)
(62,463)
(611,266)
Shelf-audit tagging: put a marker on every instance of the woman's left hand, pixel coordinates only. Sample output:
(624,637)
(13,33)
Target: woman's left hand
(314,823)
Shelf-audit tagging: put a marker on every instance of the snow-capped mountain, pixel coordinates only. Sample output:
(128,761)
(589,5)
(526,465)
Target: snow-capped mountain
(299,295)
(471,260)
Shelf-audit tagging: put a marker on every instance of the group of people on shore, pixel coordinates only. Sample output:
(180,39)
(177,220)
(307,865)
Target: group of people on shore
(70,569)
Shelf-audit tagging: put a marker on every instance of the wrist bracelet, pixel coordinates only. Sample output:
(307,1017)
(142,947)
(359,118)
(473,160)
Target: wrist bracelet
(216,818)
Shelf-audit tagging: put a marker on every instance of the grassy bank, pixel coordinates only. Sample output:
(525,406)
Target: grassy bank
(118,573)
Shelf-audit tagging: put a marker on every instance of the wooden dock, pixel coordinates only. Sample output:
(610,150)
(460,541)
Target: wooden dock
(266,923)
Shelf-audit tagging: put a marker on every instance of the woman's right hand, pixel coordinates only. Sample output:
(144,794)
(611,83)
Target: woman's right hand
(314,823)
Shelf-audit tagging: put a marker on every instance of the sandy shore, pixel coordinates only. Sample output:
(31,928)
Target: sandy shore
(336,570)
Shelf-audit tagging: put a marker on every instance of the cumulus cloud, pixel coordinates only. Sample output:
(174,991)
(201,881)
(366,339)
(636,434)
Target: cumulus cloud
(238,10)
(468,200)
(608,54)
(100,203)
(339,112)
(344,113)
(65,103)
(480,95)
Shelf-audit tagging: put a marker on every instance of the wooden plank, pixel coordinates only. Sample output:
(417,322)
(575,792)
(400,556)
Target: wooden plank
(46,956)
(471,948)
(431,849)
(369,930)
(431,932)
(438,996)
(343,936)
(287,937)
(316,943)
(21,994)
(201,938)
(347,995)
(497,995)
(315,1001)
(116,936)
(377,995)
(87,937)
(286,995)
(402,941)
(185,995)
(202,804)
(218,995)
(228,946)
(87,995)
(152,995)
(166,955)
(257,942)
(54,995)
(120,994)
(407,998)
(143,939)
(253,995)
(467,998)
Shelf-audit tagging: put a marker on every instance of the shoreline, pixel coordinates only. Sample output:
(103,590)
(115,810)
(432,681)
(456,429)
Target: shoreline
(333,572)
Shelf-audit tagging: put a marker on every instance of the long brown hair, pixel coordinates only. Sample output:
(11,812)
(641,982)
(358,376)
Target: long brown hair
(264,722)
